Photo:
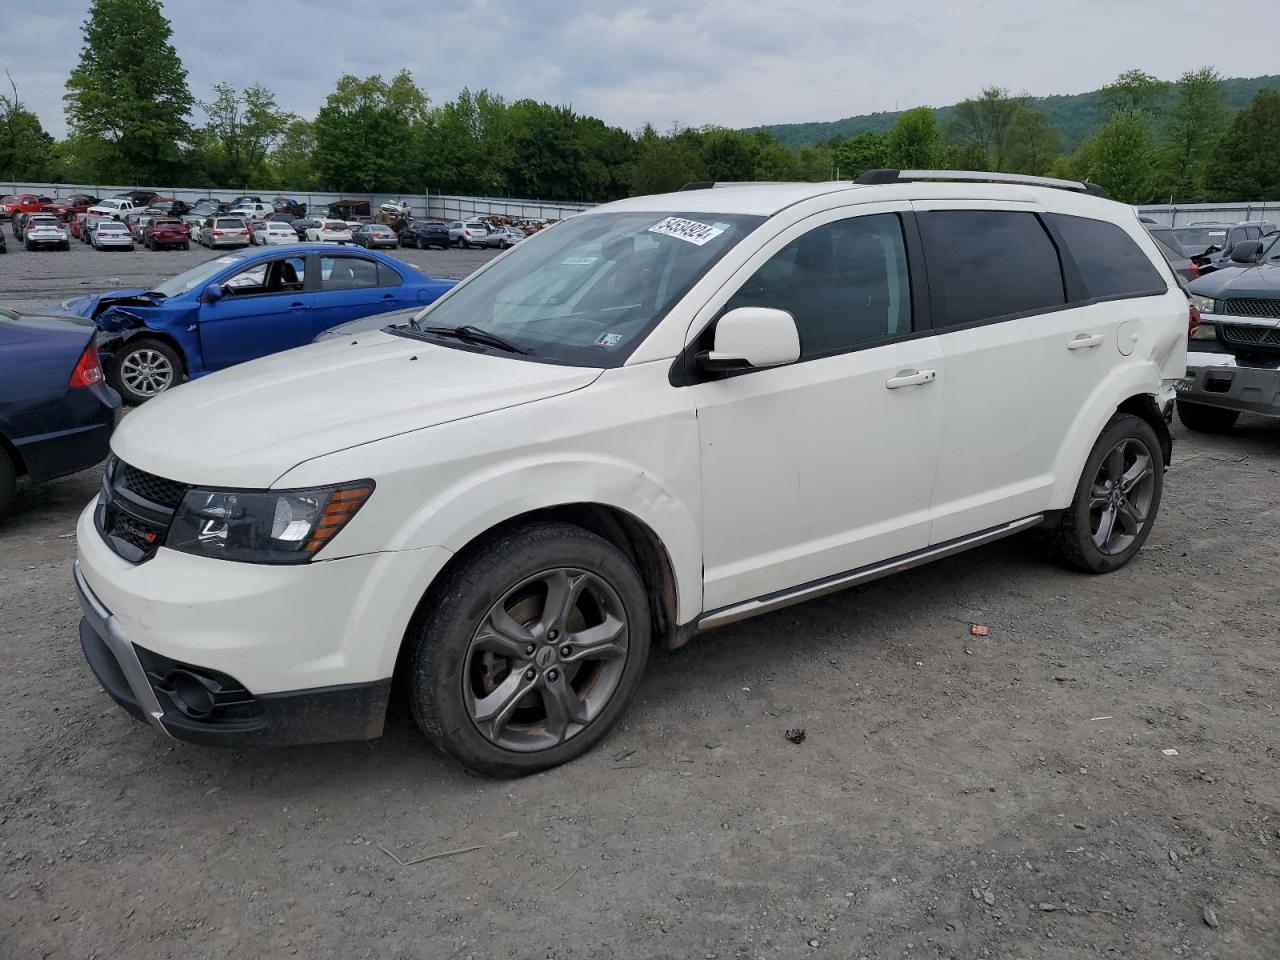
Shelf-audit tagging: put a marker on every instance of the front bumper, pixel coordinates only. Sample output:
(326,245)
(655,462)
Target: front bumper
(189,702)
(1222,380)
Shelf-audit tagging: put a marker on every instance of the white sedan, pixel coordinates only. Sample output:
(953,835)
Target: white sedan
(273,232)
(330,231)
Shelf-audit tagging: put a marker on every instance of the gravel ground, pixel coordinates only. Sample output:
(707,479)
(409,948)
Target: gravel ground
(1006,796)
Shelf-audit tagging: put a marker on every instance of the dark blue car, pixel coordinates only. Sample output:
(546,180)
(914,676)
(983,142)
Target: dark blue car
(240,306)
(56,413)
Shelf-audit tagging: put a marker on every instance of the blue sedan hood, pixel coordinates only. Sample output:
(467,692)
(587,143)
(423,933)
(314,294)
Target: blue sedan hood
(92,304)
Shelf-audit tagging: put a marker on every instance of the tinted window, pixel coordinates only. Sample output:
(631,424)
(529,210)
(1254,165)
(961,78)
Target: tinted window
(1110,263)
(348,273)
(845,283)
(989,263)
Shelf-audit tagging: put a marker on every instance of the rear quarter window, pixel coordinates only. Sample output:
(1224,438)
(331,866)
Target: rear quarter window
(1111,264)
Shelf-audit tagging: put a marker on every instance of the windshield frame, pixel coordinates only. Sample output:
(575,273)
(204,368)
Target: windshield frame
(591,354)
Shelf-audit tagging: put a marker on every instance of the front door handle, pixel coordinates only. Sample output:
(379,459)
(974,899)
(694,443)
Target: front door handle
(298,306)
(1084,341)
(911,378)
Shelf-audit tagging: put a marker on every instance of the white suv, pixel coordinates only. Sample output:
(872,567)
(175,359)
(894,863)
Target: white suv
(661,416)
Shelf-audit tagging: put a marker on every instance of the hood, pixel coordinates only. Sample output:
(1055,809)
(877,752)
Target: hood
(248,426)
(393,318)
(1261,282)
(92,304)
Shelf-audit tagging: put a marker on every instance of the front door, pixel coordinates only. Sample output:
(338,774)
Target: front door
(825,465)
(264,309)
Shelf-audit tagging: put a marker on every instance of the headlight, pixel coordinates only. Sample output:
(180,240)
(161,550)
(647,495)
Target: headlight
(1205,304)
(264,526)
(1206,331)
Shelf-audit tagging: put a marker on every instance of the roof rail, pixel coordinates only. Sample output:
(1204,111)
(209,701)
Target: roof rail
(978,176)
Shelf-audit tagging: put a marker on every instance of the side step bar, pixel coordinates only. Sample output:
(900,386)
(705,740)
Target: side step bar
(820,588)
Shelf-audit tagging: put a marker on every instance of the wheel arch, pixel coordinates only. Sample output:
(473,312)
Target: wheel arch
(1128,390)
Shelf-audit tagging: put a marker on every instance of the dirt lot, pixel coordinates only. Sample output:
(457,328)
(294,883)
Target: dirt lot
(955,796)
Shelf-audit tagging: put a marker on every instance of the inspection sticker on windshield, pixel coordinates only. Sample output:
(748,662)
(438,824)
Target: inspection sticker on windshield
(579,261)
(690,230)
(607,340)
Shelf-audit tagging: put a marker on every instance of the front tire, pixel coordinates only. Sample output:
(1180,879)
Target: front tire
(1116,500)
(8,483)
(1203,419)
(530,649)
(144,369)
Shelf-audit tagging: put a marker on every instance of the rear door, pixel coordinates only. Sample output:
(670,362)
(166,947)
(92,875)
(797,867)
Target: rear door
(352,286)
(265,308)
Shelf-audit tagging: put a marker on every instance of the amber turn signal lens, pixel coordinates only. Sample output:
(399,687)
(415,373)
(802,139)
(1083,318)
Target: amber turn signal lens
(342,505)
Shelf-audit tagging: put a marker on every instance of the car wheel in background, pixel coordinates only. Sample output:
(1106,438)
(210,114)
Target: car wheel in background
(1203,419)
(187,245)
(1116,500)
(530,649)
(8,482)
(144,369)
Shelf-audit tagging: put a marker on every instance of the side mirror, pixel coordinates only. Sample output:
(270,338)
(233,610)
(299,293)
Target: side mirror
(750,337)
(1247,251)
(213,292)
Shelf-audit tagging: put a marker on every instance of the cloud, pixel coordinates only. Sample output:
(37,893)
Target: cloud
(730,63)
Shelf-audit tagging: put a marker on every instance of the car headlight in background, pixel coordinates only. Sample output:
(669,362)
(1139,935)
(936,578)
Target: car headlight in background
(1205,304)
(1206,331)
(264,526)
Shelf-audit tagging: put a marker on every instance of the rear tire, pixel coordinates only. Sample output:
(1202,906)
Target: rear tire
(1204,419)
(8,482)
(558,701)
(1116,500)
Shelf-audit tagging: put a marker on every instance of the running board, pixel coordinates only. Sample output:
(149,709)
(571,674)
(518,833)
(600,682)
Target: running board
(820,588)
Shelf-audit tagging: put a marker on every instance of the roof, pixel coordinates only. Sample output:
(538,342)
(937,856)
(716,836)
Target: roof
(767,199)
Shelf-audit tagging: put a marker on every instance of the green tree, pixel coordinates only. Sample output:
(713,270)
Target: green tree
(666,163)
(24,145)
(1133,90)
(856,155)
(293,159)
(1198,120)
(1244,166)
(1033,143)
(245,127)
(129,92)
(727,155)
(1121,157)
(914,141)
(986,121)
(364,134)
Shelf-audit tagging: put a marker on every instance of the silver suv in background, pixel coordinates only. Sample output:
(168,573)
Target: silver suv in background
(468,233)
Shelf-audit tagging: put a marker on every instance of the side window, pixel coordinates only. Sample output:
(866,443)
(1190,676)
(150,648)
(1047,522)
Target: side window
(347,273)
(285,275)
(388,276)
(1110,263)
(990,263)
(845,283)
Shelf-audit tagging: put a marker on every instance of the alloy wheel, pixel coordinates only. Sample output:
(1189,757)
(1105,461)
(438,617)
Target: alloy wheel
(146,372)
(1121,496)
(545,660)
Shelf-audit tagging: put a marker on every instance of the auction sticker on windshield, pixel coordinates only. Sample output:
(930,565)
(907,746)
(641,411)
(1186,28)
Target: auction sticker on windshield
(689,230)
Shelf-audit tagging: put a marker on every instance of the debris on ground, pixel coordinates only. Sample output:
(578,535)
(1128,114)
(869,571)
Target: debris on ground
(1210,917)
(1169,752)
(979,630)
(796,735)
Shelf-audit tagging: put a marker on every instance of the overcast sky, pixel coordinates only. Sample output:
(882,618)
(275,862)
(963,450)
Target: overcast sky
(689,62)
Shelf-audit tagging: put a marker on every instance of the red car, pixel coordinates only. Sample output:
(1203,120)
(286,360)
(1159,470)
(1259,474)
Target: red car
(21,203)
(68,207)
(166,233)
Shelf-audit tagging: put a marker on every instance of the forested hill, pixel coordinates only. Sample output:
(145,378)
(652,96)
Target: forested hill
(1075,115)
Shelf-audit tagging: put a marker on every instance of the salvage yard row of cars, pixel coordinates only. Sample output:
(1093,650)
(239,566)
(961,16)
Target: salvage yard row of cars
(503,493)
(155,222)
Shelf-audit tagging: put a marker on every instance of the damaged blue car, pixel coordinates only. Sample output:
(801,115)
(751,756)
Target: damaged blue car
(241,306)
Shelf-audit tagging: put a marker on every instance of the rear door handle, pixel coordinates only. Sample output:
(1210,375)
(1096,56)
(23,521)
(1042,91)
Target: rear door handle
(299,306)
(1084,341)
(911,378)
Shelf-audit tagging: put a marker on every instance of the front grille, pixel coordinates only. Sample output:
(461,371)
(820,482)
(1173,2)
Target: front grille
(1242,335)
(1252,307)
(167,493)
(135,510)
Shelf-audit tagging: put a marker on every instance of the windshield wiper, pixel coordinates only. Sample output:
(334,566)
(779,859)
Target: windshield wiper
(474,334)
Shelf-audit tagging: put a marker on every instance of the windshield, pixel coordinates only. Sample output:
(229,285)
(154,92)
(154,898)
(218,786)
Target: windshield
(196,276)
(335,225)
(1201,237)
(588,291)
